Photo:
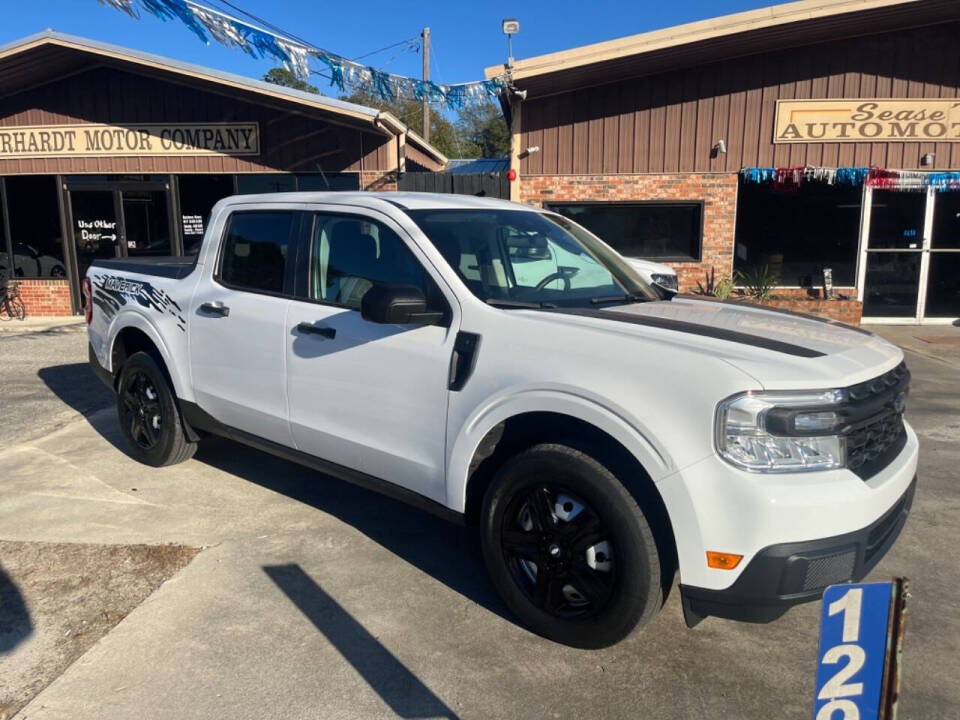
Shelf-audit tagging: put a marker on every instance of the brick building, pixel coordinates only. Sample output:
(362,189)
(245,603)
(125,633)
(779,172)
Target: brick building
(821,134)
(107,152)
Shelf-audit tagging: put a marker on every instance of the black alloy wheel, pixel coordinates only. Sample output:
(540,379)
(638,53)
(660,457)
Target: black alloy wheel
(143,415)
(558,552)
(149,413)
(568,547)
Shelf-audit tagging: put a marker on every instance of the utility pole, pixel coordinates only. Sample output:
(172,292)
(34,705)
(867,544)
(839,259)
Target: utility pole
(426,76)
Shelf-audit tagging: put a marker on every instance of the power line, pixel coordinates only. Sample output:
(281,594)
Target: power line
(236,8)
(411,44)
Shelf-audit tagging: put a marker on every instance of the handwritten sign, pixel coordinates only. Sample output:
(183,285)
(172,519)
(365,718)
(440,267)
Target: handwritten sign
(198,139)
(91,233)
(863,120)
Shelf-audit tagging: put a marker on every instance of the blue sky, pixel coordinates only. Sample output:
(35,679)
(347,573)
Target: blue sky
(466,35)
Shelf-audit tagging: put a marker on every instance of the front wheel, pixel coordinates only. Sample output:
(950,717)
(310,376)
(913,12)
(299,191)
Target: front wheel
(148,413)
(569,549)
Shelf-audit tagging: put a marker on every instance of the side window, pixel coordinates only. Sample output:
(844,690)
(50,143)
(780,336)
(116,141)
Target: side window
(256,250)
(349,255)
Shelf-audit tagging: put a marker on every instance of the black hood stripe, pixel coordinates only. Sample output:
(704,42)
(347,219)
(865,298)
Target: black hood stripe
(695,329)
(781,311)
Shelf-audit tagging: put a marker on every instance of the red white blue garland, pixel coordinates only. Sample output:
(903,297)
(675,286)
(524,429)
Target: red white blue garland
(208,23)
(906,180)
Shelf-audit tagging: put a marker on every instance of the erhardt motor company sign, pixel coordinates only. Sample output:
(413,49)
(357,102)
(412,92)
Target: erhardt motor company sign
(129,140)
(866,120)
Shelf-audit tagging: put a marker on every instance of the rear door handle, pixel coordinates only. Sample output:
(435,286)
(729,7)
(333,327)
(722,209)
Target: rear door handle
(311,329)
(215,308)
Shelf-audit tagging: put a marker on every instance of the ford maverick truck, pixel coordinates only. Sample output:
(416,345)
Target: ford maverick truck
(499,365)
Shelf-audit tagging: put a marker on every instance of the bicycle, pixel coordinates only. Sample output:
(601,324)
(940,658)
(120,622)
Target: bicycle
(10,300)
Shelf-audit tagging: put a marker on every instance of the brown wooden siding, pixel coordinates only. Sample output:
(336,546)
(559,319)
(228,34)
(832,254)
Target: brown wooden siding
(670,122)
(290,141)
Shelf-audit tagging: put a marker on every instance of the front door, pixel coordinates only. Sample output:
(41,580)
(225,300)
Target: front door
(368,396)
(910,258)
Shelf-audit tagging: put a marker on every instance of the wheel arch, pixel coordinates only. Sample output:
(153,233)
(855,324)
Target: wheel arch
(137,335)
(599,433)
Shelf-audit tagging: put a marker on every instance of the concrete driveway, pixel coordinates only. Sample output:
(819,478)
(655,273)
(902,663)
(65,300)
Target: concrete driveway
(315,599)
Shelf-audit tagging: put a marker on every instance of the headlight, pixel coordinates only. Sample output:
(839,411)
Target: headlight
(665,281)
(782,432)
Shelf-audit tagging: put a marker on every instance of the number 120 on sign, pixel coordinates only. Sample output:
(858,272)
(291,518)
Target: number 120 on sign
(853,650)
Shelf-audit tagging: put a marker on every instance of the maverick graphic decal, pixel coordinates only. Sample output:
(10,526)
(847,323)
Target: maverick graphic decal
(110,293)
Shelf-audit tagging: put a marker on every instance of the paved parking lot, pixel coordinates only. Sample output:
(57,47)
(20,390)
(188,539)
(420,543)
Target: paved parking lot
(313,598)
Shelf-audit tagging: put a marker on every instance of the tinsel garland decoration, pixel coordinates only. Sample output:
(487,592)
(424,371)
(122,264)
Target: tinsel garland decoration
(790,179)
(208,23)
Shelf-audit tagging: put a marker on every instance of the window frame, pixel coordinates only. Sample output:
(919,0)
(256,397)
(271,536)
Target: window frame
(289,272)
(697,202)
(308,224)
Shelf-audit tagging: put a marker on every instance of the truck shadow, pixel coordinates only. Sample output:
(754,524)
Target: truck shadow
(448,553)
(15,623)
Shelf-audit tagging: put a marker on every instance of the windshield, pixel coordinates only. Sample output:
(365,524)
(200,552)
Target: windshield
(524,258)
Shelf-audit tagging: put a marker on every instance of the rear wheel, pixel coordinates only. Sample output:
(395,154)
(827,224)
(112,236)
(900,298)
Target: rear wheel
(149,416)
(569,549)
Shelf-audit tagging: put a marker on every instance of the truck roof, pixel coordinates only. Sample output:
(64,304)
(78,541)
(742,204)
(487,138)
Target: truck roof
(405,200)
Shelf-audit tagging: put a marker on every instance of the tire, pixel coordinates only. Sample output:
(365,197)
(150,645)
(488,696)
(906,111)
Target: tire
(149,416)
(555,507)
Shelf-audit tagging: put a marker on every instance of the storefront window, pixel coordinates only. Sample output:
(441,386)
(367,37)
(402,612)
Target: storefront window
(35,235)
(198,195)
(655,231)
(328,181)
(253,184)
(798,234)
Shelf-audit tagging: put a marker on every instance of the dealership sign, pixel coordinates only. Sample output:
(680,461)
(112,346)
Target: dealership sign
(130,140)
(864,120)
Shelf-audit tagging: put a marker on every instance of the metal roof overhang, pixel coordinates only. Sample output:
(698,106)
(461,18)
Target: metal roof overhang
(47,56)
(779,27)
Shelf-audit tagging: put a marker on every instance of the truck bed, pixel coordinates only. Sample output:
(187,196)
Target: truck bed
(167,266)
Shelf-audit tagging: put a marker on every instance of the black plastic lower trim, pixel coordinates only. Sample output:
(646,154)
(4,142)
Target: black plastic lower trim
(787,574)
(198,419)
(106,377)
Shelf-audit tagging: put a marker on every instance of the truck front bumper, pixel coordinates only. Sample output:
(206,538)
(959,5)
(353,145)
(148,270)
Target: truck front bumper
(783,575)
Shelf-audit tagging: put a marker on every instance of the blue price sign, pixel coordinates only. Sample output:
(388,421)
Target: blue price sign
(854,629)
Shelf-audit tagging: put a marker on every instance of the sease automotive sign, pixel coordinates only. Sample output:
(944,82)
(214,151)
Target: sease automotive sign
(863,120)
(130,140)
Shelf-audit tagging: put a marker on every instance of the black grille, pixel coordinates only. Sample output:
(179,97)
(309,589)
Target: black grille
(874,412)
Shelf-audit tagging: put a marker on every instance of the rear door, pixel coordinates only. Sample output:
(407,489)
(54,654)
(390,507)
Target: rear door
(368,396)
(237,336)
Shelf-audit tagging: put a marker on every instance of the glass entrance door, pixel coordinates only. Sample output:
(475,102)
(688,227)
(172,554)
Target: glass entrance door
(892,262)
(95,226)
(910,256)
(943,282)
(146,222)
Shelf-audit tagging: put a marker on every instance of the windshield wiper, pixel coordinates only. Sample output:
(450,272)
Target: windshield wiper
(618,298)
(518,304)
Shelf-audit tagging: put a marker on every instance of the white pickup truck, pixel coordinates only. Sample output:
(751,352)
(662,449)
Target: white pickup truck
(499,365)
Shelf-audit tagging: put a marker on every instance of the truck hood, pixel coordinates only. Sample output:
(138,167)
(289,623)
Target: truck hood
(779,349)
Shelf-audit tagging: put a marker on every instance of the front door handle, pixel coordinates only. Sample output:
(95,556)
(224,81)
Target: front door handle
(311,329)
(215,308)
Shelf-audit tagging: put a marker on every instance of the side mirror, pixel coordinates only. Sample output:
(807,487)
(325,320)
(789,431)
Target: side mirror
(396,305)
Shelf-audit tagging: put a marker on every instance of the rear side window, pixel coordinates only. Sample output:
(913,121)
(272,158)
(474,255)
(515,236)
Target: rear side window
(256,251)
